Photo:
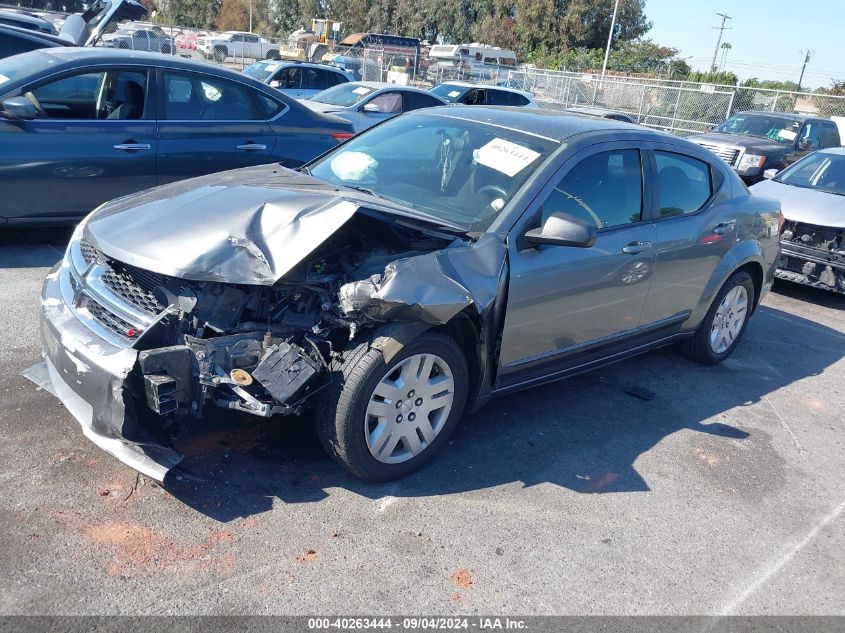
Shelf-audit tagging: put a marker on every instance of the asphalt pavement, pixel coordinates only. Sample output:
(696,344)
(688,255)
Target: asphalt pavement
(722,494)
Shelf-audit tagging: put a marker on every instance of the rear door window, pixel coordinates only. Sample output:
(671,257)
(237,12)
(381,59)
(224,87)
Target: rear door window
(829,135)
(683,183)
(190,98)
(415,100)
(315,79)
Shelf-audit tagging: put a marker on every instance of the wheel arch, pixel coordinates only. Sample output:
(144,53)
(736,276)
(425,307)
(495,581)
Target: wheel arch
(747,256)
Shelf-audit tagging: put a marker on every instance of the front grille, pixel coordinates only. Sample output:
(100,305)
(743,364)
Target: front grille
(133,285)
(135,290)
(89,253)
(109,320)
(725,152)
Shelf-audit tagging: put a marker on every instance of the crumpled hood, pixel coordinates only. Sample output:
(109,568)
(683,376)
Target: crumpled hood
(246,226)
(748,142)
(805,205)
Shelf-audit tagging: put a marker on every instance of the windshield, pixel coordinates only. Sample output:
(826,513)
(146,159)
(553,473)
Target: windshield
(260,71)
(820,171)
(774,128)
(449,92)
(344,95)
(460,172)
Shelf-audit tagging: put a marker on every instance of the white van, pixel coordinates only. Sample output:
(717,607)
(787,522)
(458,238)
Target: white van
(476,61)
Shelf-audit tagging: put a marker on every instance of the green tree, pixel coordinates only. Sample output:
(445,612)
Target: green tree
(198,14)
(586,23)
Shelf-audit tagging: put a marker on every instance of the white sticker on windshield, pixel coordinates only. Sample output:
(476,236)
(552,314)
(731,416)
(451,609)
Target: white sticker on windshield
(3,79)
(454,93)
(361,90)
(504,156)
(787,135)
(353,166)
(271,67)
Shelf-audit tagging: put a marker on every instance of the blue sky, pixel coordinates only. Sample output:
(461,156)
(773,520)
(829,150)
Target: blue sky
(767,36)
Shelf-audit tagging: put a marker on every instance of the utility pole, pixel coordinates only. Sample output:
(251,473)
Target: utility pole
(722,29)
(610,38)
(250,16)
(804,67)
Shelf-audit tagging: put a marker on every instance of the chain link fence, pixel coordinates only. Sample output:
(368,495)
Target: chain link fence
(678,107)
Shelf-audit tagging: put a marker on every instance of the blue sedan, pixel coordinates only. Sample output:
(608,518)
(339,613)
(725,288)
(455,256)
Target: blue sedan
(366,103)
(80,126)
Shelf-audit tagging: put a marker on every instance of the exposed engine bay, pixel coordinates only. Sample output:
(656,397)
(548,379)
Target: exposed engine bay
(813,255)
(262,350)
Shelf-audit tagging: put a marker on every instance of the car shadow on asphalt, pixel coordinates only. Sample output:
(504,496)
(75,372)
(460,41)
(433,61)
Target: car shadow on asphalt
(584,434)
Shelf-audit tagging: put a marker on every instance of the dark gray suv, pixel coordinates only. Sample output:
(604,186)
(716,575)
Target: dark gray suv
(441,258)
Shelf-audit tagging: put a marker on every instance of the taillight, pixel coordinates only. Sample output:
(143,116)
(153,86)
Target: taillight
(342,136)
(780,222)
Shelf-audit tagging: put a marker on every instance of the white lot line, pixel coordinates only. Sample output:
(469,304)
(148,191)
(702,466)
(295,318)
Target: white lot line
(772,568)
(785,426)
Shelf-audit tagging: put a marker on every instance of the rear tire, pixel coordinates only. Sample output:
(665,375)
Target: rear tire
(220,54)
(348,416)
(274,55)
(724,324)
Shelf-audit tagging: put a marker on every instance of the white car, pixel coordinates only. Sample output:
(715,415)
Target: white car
(480,94)
(237,44)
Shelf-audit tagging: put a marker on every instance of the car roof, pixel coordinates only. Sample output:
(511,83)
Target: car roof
(592,110)
(554,124)
(839,151)
(282,63)
(467,84)
(69,57)
(29,34)
(11,14)
(778,115)
(382,85)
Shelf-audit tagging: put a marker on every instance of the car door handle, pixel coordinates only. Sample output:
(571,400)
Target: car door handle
(723,227)
(251,147)
(132,147)
(636,247)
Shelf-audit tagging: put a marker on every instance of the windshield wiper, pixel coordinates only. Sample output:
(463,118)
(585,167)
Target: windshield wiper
(369,192)
(305,170)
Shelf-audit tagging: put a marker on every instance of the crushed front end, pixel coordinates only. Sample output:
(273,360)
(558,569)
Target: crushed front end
(128,348)
(813,255)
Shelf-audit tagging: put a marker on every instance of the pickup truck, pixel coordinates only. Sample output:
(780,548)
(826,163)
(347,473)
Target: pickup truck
(753,142)
(237,44)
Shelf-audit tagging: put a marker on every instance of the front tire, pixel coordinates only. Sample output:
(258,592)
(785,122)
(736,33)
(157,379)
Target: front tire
(724,324)
(381,421)
(220,54)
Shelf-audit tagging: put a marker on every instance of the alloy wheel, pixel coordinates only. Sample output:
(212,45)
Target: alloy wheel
(729,319)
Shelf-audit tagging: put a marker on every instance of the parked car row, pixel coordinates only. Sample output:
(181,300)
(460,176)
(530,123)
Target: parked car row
(88,125)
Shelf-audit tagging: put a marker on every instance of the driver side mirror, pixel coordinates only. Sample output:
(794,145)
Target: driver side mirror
(805,144)
(562,229)
(19,109)
(371,107)
(275,84)
(770,173)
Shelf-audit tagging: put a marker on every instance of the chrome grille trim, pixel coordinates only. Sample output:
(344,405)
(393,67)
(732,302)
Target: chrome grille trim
(728,153)
(103,310)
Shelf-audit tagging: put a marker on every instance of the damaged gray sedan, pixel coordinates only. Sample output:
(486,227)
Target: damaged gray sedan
(400,280)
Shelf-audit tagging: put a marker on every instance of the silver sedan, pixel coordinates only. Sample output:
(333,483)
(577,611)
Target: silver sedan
(812,196)
(366,103)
